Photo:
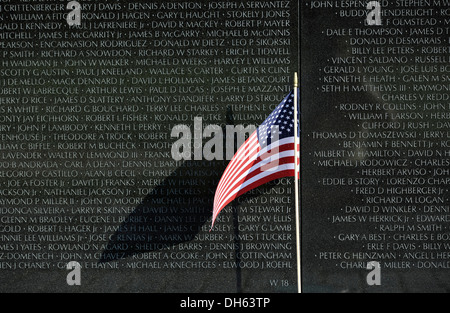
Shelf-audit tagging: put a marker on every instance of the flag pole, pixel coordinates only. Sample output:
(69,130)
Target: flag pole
(296,182)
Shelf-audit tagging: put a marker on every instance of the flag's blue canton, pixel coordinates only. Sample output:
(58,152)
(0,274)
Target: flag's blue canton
(282,117)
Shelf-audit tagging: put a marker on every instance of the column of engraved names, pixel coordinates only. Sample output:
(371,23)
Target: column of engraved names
(28,209)
(258,71)
(397,148)
(179,63)
(239,73)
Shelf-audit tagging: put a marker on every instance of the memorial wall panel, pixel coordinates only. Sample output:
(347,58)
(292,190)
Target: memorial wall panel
(94,96)
(118,119)
(376,155)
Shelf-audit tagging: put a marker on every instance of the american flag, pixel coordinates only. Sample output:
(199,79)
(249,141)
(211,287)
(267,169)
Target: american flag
(266,155)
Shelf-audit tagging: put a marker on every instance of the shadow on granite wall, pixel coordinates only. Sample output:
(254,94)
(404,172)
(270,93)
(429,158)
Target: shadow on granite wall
(174,212)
